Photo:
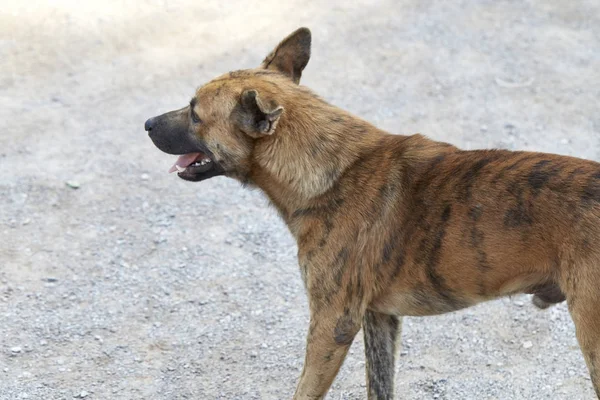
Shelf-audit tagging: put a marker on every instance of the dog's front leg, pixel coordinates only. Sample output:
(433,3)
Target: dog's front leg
(332,330)
(382,334)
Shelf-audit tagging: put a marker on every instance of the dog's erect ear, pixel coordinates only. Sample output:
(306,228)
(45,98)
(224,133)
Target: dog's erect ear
(291,55)
(257,117)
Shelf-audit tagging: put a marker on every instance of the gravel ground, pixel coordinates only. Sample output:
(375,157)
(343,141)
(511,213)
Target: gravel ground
(119,281)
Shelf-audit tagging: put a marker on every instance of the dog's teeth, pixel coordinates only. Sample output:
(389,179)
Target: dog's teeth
(202,162)
(180,169)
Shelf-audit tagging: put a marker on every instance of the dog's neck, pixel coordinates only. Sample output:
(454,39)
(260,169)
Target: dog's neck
(314,144)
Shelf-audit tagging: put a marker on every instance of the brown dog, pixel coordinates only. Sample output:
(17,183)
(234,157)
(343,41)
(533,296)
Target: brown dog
(390,225)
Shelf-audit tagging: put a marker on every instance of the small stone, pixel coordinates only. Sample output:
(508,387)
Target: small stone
(5,369)
(73,184)
(16,349)
(483,128)
(527,344)
(43,342)
(564,141)
(144,177)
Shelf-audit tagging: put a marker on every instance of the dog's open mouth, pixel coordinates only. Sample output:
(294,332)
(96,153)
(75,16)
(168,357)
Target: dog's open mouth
(196,167)
(192,162)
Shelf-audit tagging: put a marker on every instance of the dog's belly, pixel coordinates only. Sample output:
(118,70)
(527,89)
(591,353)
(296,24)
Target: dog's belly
(420,300)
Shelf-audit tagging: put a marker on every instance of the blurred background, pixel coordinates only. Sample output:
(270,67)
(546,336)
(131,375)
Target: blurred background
(119,281)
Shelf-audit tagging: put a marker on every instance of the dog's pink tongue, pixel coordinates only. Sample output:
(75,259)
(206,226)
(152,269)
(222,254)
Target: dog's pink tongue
(184,161)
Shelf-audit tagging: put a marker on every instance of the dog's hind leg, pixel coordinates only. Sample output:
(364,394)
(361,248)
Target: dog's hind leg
(583,298)
(587,326)
(381,335)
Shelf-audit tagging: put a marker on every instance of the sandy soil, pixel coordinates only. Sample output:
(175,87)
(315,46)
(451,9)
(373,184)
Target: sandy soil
(138,285)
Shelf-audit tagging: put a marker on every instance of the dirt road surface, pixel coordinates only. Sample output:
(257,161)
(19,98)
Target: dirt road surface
(137,285)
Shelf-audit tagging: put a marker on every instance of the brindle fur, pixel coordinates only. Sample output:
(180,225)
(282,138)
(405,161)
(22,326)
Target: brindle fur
(390,225)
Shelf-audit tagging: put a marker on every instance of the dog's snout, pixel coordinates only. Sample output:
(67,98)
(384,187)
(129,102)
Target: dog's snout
(149,124)
(171,133)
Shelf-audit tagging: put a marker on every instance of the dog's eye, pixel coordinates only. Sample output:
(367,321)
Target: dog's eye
(195,117)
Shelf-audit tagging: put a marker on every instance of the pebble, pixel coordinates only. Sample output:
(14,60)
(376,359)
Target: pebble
(144,177)
(16,349)
(73,184)
(527,344)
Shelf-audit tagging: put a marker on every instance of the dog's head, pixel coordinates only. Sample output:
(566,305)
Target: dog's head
(216,133)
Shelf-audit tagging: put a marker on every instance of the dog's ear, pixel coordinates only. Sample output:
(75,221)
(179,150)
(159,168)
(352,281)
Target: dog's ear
(291,55)
(257,117)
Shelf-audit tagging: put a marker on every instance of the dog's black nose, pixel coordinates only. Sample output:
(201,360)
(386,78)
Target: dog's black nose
(149,124)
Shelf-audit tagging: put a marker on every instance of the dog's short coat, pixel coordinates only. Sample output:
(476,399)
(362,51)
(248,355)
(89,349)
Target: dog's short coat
(391,225)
